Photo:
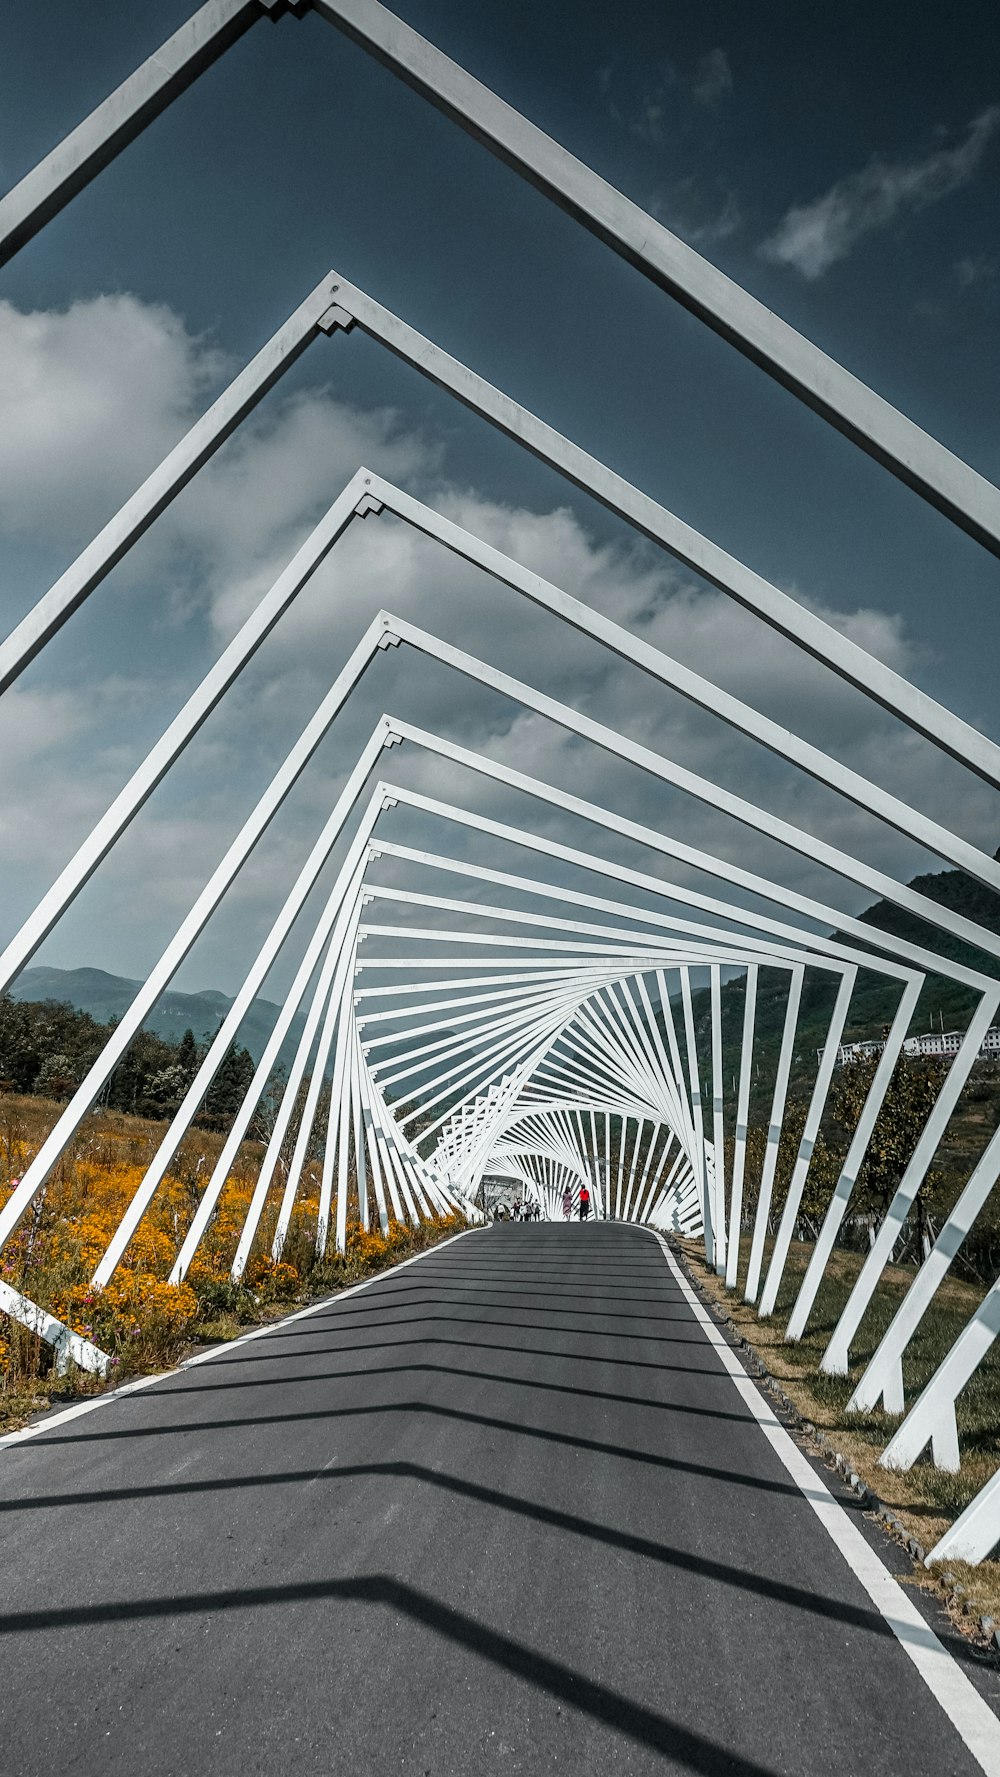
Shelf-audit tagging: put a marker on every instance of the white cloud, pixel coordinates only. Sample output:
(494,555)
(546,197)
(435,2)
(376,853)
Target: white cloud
(230,535)
(62,763)
(93,397)
(700,218)
(813,236)
(713,79)
(294,462)
(248,511)
(977,268)
(639,106)
(646,101)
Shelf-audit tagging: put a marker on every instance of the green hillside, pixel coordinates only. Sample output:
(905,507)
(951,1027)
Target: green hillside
(106,997)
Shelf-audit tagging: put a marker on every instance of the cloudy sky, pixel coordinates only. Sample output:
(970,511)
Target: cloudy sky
(841,163)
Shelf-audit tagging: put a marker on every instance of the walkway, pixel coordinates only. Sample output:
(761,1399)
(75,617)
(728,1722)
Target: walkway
(502,1512)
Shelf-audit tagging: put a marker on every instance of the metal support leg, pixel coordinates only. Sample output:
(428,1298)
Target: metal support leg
(694,1084)
(837,1355)
(742,1113)
(774,1134)
(718,1119)
(810,1131)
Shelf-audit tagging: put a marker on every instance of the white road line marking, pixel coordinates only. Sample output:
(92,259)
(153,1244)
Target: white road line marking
(205,1357)
(970,1716)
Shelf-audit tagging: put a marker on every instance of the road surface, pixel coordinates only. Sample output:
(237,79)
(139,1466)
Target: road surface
(502,1511)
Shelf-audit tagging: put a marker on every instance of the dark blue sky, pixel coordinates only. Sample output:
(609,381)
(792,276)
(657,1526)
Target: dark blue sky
(297,153)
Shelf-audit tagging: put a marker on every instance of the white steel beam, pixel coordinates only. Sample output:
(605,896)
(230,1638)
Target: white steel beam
(843,656)
(820,851)
(184,938)
(718,1119)
(185,725)
(81,155)
(931,1419)
(883,1374)
(774,1130)
(755,330)
(334,912)
(975,1532)
(742,1114)
(229,1029)
(179,467)
(836,1358)
(817,1104)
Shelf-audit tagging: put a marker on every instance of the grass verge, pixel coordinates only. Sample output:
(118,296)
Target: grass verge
(924,1499)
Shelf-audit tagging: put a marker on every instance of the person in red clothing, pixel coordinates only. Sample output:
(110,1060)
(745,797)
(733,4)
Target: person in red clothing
(584,1203)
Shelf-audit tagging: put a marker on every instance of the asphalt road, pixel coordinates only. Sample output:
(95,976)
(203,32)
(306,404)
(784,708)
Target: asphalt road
(503,1511)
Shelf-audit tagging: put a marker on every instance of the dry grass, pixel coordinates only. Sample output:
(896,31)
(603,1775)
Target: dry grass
(924,1499)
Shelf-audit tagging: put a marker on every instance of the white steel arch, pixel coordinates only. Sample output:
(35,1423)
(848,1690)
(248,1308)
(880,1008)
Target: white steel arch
(564,1048)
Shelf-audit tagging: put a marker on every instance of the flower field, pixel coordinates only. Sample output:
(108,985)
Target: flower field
(144,1322)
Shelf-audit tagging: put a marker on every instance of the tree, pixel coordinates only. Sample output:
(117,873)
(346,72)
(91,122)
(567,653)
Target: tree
(57,1077)
(19,1051)
(268,1105)
(912,1092)
(229,1088)
(129,1086)
(189,1056)
(166,1089)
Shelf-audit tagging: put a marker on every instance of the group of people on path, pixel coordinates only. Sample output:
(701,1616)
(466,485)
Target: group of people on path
(519,1212)
(530,1211)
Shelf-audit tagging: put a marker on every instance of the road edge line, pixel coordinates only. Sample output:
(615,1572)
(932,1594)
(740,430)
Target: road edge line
(969,1713)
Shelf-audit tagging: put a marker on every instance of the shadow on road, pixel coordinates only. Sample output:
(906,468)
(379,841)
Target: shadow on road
(693,1751)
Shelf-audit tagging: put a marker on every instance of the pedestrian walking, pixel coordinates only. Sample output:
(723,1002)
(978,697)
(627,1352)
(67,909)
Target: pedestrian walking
(567,1203)
(584,1203)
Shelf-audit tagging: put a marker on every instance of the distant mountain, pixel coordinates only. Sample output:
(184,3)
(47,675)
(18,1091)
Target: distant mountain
(873,1004)
(107,996)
